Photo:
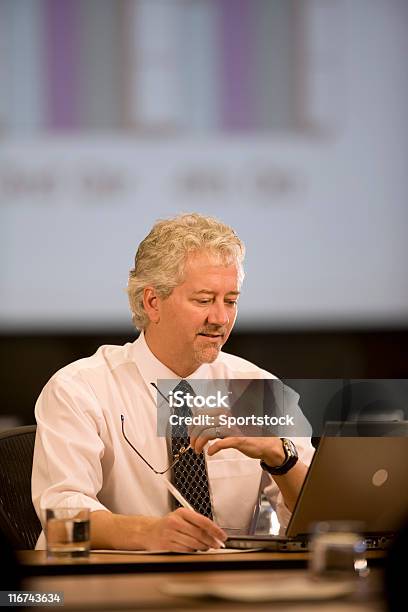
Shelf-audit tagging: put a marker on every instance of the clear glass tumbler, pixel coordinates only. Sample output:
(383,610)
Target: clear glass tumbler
(338,550)
(68,532)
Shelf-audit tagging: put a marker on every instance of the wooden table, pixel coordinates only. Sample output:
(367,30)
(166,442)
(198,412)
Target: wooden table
(147,592)
(114,581)
(35,562)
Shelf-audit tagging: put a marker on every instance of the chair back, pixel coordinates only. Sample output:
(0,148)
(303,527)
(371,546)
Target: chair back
(18,519)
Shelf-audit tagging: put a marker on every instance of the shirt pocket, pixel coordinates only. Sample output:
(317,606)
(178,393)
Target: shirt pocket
(234,488)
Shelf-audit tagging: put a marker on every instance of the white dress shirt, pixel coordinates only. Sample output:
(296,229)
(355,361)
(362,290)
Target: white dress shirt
(82,460)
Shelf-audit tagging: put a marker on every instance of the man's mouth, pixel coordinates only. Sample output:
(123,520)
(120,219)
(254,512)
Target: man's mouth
(210,335)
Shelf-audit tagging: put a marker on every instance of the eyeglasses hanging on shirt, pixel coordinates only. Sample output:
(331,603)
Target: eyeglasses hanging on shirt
(171,488)
(177,457)
(161,473)
(189,478)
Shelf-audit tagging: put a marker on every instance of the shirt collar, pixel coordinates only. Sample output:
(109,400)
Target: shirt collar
(152,369)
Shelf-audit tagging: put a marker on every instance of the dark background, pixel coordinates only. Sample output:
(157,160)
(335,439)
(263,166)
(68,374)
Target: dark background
(28,361)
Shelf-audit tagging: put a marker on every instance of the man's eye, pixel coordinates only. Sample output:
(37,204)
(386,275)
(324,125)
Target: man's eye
(204,301)
(231,302)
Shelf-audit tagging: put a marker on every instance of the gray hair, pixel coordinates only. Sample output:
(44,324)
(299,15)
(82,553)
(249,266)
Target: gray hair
(161,256)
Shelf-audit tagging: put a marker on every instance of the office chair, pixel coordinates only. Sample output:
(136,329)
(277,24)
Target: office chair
(18,520)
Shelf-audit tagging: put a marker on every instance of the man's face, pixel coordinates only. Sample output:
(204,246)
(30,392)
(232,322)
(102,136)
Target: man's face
(198,316)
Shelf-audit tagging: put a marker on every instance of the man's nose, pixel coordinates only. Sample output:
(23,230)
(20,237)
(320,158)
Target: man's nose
(218,314)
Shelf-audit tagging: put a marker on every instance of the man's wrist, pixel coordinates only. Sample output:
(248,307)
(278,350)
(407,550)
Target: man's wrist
(274,455)
(130,532)
(290,460)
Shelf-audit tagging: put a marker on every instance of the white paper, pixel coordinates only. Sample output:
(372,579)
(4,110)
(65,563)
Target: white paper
(210,551)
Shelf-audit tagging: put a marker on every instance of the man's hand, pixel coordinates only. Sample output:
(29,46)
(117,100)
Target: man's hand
(201,434)
(249,442)
(184,531)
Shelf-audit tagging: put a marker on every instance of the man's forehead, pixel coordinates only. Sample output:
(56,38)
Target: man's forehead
(206,273)
(204,276)
(219,279)
(207,259)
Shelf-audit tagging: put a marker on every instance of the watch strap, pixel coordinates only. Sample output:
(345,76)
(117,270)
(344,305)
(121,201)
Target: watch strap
(291,458)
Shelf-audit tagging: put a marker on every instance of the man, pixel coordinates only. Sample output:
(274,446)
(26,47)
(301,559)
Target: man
(183,293)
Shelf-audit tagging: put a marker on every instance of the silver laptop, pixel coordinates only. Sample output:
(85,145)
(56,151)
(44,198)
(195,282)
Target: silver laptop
(359,472)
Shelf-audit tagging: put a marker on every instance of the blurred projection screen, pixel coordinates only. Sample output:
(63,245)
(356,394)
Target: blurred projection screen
(287,122)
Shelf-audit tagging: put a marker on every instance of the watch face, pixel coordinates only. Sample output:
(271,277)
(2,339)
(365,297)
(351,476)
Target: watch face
(289,447)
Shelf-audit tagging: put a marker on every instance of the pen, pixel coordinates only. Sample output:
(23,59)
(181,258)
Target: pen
(182,500)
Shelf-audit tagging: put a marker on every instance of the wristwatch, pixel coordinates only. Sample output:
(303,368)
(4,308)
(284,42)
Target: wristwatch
(291,457)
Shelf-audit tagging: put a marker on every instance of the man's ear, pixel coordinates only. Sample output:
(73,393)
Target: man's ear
(151,304)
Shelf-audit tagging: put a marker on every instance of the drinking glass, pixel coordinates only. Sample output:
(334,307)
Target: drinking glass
(68,532)
(338,550)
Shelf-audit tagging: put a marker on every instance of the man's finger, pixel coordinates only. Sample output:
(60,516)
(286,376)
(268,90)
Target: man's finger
(203,523)
(225,443)
(194,431)
(202,538)
(203,438)
(190,542)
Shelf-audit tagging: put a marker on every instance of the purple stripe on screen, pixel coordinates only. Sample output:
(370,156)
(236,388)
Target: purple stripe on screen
(63,63)
(236,79)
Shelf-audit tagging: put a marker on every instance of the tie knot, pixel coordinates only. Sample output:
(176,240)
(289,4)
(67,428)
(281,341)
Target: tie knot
(183,407)
(184,387)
